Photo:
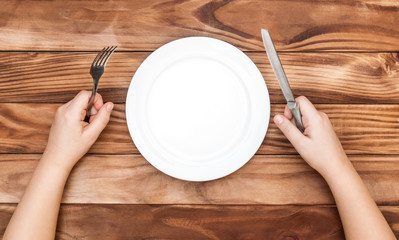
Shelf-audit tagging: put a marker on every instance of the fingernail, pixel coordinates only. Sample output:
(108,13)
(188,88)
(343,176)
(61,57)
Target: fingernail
(278,119)
(110,107)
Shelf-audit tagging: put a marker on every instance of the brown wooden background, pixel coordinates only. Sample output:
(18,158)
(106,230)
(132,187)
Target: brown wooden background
(343,55)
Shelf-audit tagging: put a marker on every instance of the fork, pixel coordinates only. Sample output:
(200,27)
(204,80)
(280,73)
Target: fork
(96,71)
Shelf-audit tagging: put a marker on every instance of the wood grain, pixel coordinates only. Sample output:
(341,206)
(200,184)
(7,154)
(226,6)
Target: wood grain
(194,222)
(130,179)
(341,54)
(362,129)
(147,24)
(323,78)
(199,222)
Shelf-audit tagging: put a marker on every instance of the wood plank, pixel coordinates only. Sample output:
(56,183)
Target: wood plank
(213,222)
(324,78)
(194,222)
(265,179)
(365,25)
(363,129)
(199,222)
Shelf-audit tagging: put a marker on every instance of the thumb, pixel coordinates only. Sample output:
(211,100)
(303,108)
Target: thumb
(289,130)
(100,120)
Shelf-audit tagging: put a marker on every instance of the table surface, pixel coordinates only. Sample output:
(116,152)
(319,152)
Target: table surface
(341,55)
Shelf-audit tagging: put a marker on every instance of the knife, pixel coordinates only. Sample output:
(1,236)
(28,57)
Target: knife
(282,78)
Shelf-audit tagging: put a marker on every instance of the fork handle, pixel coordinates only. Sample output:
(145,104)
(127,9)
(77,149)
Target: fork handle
(91,101)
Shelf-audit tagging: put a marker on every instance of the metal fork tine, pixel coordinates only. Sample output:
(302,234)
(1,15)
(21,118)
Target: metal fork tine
(98,55)
(102,55)
(100,63)
(106,56)
(103,63)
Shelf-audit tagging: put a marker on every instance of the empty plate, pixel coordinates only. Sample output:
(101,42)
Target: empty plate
(197,109)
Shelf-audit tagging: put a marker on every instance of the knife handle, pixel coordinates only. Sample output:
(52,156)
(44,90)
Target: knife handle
(296,113)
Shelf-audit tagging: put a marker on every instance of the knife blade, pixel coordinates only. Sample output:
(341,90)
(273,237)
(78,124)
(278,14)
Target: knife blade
(282,78)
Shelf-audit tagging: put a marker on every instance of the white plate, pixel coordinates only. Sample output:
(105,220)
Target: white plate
(197,109)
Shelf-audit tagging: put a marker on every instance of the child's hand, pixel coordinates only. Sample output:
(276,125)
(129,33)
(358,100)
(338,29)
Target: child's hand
(319,146)
(70,137)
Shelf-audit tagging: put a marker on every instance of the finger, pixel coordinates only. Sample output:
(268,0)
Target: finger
(287,112)
(76,107)
(99,121)
(306,107)
(308,111)
(80,101)
(92,118)
(289,130)
(98,101)
(69,103)
(97,104)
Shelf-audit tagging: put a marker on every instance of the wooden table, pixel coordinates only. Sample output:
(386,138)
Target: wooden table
(342,55)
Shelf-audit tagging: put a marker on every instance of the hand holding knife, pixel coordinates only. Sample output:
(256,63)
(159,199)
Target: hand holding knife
(282,79)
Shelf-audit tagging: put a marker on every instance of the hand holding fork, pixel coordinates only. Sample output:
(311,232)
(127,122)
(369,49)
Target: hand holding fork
(96,71)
